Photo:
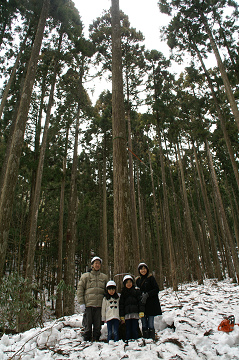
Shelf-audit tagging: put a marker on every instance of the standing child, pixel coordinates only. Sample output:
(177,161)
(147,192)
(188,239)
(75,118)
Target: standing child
(131,307)
(149,290)
(110,310)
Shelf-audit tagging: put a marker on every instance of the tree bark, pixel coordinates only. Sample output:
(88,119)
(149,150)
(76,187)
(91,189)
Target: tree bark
(156,221)
(12,76)
(105,264)
(143,253)
(59,308)
(209,217)
(12,164)
(189,223)
(122,226)
(221,118)
(37,192)
(225,79)
(167,218)
(222,214)
(135,234)
(69,273)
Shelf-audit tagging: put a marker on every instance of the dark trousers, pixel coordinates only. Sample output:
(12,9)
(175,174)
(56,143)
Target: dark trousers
(92,319)
(131,329)
(147,322)
(113,328)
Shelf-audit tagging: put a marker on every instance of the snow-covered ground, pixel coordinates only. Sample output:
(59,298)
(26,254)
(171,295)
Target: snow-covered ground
(188,330)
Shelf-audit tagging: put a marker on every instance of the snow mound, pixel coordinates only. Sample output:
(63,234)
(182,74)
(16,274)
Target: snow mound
(187,330)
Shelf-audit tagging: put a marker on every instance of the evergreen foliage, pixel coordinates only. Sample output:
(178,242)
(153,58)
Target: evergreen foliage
(19,308)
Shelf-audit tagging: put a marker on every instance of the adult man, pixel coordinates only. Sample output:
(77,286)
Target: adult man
(90,293)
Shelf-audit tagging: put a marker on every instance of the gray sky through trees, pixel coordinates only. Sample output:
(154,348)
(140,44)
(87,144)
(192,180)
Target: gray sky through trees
(144,16)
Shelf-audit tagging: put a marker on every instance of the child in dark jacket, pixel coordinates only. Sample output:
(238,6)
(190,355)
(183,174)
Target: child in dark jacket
(110,310)
(130,307)
(149,289)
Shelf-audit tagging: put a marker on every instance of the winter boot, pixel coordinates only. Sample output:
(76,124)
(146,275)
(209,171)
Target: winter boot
(152,334)
(145,333)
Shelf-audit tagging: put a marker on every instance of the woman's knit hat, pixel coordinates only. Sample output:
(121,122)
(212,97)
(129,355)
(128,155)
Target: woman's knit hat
(141,265)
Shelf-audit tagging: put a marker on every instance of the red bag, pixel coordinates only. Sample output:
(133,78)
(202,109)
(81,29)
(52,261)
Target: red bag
(227,324)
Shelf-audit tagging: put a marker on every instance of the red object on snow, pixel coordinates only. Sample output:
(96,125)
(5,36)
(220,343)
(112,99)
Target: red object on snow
(227,324)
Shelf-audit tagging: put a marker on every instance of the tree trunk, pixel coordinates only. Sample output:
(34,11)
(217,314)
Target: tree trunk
(228,47)
(209,217)
(59,309)
(180,245)
(105,264)
(135,234)
(69,273)
(12,76)
(189,223)
(224,222)
(37,192)
(36,161)
(11,171)
(122,226)
(143,253)
(156,220)
(221,118)
(225,79)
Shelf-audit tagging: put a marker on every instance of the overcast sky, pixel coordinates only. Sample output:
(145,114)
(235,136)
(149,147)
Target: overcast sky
(143,15)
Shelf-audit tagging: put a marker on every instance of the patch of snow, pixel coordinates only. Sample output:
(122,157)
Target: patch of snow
(188,330)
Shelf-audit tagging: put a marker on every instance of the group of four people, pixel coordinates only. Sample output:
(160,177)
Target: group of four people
(99,301)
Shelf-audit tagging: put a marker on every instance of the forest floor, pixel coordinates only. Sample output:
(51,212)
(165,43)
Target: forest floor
(188,330)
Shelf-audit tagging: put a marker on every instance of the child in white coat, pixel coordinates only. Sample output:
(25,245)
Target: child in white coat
(110,311)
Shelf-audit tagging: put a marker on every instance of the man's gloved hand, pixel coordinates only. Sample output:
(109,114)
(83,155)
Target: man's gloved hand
(82,308)
(141,315)
(144,298)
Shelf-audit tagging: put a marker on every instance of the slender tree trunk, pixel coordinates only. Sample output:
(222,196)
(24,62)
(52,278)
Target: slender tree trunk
(34,171)
(69,273)
(223,218)
(225,79)
(122,225)
(227,46)
(209,217)
(221,118)
(12,166)
(156,220)
(235,221)
(37,192)
(143,253)
(169,237)
(189,222)
(59,309)
(104,221)
(180,245)
(12,76)
(135,234)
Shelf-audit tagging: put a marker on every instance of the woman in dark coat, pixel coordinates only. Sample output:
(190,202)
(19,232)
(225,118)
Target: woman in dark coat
(149,292)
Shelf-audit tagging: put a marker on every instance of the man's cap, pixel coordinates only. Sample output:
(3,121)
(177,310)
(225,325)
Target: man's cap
(96,258)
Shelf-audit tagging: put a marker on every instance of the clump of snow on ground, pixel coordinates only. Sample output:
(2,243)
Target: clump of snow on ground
(188,329)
